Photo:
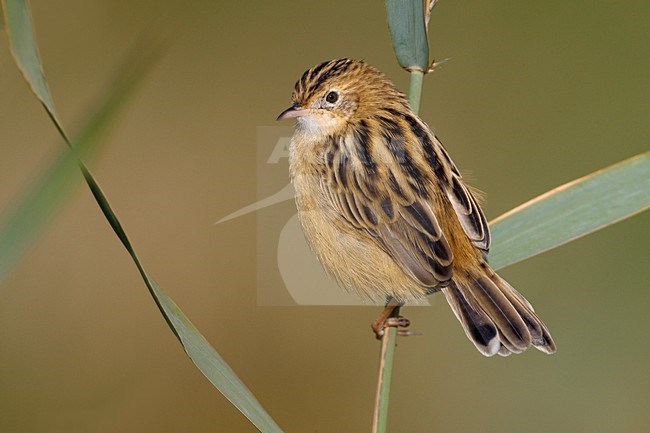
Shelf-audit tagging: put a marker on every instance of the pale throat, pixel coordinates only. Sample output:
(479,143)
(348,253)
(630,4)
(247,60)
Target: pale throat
(319,126)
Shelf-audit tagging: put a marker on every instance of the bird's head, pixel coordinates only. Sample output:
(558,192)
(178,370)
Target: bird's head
(335,93)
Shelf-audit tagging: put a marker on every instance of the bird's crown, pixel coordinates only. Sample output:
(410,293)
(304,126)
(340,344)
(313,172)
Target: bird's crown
(362,85)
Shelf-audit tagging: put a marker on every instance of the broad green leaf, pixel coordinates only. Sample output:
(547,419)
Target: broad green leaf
(44,199)
(572,210)
(406,20)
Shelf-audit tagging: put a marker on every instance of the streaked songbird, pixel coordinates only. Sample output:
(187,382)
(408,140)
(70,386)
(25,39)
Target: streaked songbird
(387,212)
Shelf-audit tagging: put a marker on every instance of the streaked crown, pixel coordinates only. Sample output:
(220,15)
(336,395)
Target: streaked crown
(359,85)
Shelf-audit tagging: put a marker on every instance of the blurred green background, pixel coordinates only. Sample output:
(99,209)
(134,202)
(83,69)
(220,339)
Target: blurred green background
(535,95)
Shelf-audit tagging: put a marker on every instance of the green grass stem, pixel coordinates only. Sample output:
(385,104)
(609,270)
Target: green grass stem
(415,90)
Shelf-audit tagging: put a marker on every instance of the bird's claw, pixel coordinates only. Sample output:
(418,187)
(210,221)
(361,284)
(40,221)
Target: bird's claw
(379,327)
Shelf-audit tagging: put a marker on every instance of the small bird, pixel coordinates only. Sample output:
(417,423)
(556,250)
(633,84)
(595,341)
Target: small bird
(387,212)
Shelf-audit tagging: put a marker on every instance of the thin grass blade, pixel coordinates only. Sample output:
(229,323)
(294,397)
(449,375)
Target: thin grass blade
(572,210)
(204,356)
(23,46)
(35,209)
(195,345)
(215,369)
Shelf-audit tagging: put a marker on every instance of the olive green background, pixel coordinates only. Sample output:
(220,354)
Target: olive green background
(535,95)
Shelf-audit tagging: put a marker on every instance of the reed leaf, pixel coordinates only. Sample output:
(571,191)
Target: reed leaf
(18,21)
(406,20)
(572,210)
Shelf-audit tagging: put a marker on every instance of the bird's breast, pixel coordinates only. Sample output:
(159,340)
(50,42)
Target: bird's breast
(346,253)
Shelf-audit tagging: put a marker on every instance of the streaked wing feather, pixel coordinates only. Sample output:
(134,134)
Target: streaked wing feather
(469,213)
(407,230)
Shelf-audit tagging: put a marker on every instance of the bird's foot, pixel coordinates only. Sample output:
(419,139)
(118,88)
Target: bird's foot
(390,317)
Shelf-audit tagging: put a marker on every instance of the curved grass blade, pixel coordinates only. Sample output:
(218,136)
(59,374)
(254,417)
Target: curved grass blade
(204,356)
(406,20)
(23,47)
(572,210)
(215,369)
(198,349)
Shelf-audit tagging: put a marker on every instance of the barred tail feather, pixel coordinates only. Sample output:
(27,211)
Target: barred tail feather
(495,317)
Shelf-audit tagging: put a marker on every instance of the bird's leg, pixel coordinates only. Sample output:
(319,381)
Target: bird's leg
(390,317)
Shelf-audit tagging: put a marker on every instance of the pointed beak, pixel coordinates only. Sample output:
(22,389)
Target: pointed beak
(292,112)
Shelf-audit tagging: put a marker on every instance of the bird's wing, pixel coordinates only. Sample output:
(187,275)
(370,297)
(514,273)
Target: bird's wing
(440,165)
(394,205)
(465,205)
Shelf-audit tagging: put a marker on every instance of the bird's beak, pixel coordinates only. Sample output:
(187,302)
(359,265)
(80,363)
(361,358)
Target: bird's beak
(292,112)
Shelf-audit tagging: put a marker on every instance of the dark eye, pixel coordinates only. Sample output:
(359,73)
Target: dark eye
(332,97)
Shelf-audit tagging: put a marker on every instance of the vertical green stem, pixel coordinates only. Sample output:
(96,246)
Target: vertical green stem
(380,415)
(415,90)
(380,418)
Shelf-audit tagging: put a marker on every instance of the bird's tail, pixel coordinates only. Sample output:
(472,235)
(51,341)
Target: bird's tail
(495,317)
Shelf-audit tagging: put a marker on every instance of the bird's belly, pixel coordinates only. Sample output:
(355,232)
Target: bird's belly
(351,256)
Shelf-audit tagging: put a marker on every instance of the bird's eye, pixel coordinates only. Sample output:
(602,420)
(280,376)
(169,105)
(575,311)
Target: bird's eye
(332,97)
